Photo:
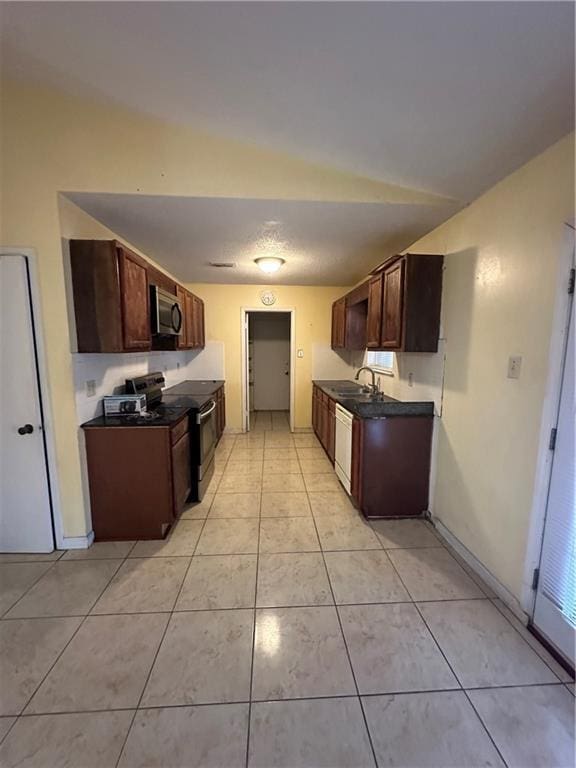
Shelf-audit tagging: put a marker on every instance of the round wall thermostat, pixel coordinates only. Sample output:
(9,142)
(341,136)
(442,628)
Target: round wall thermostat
(267,298)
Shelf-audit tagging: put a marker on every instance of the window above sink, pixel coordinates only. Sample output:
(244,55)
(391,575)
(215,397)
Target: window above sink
(382,362)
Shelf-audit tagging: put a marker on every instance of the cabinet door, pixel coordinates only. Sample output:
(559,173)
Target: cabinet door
(339,324)
(189,319)
(198,322)
(181,472)
(393,306)
(135,301)
(321,421)
(315,409)
(183,338)
(325,423)
(356,479)
(331,448)
(374,321)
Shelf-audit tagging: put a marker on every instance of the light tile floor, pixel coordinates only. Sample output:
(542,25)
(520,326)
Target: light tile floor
(275,627)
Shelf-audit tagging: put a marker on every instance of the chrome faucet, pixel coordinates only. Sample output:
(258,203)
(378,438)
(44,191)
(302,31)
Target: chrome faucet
(374,385)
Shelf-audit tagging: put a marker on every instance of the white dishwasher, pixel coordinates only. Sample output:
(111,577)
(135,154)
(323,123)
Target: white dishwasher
(343,447)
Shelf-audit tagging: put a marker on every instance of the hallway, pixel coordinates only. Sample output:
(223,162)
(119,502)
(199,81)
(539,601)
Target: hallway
(270,421)
(274,627)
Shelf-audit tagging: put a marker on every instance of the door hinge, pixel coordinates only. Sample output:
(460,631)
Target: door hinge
(571,280)
(535,578)
(552,443)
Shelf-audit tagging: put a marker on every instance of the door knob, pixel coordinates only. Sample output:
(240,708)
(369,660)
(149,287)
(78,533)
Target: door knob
(27,429)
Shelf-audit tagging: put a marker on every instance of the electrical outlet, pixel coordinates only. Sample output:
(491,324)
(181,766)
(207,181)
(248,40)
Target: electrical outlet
(300,353)
(514,366)
(410,379)
(90,388)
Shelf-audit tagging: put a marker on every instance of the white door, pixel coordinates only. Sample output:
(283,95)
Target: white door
(271,360)
(25,514)
(555,606)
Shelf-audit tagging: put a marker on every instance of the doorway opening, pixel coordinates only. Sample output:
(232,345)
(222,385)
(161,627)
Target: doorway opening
(268,370)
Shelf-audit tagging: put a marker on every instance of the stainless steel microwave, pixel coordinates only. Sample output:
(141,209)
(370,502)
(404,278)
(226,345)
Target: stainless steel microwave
(165,312)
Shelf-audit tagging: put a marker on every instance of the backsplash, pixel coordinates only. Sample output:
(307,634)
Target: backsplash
(329,365)
(109,372)
(417,376)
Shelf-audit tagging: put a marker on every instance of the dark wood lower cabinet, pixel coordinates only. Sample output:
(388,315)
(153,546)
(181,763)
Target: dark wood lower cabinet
(391,465)
(324,420)
(181,475)
(139,479)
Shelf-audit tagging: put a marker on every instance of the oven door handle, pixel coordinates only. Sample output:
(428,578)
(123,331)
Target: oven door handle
(201,416)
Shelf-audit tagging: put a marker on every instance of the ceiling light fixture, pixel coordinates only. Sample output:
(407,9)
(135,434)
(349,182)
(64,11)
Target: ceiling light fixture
(269,264)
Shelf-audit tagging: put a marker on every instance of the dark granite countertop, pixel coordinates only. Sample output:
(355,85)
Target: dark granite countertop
(159,417)
(357,400)
(194,387)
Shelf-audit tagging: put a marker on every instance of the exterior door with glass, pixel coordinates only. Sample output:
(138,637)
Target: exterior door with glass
(555,605)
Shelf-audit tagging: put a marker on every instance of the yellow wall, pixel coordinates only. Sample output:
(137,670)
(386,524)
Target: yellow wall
(501,263)
(313,316)
(52,142)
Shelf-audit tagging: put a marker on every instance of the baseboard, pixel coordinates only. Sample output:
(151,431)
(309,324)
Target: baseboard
(499,589)
(77,542)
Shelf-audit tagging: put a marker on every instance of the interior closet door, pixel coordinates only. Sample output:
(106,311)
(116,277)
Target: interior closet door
(555,606)
(25,513)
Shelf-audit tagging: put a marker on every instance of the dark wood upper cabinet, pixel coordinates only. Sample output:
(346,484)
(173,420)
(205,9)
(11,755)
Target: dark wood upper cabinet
(374,319)
(198,322)
(349,315)
(135,301)
(111,300)
(392,306)
(339,323)
(111,293)
(404,299)
(189,320)
(192,336)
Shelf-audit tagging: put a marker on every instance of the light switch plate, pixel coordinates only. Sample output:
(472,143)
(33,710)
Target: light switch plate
(91,388)
(300,353)
(514,366)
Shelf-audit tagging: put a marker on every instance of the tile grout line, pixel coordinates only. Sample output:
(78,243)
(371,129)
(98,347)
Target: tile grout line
(458,680)
(524,639)
(291,698)
(253,648)
(255,609)
(451,668)
(359,698)
(147,680)
(44,573)
(266,607)
(77,630)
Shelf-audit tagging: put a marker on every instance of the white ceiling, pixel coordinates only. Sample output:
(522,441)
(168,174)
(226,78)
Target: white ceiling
(446,97)
(322,243)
